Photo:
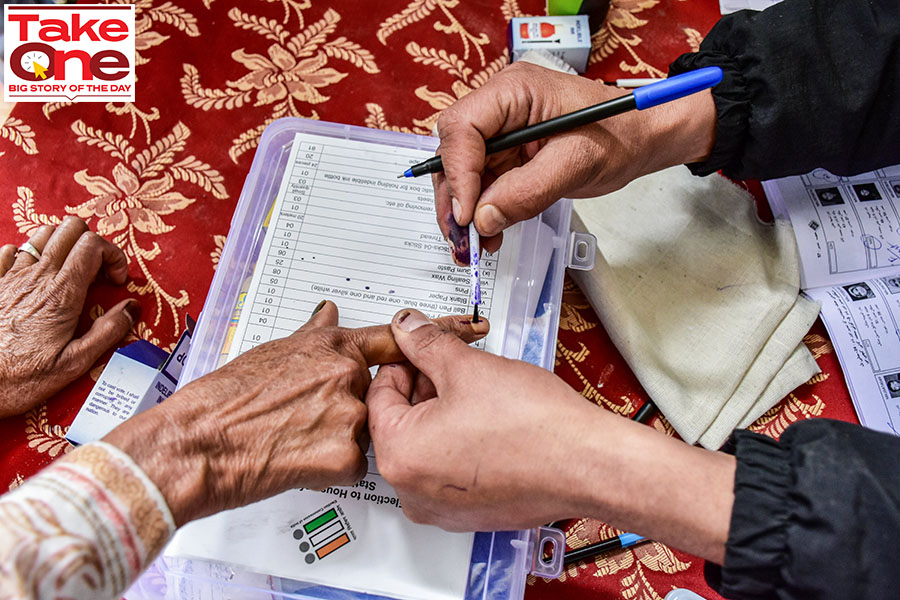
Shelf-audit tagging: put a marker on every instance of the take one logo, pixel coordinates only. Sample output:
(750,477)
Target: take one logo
(323,532)
(79,53)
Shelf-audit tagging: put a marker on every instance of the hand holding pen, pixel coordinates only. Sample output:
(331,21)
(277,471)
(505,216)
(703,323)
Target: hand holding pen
(497,190)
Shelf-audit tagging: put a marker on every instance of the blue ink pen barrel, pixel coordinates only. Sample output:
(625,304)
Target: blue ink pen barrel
(474,259)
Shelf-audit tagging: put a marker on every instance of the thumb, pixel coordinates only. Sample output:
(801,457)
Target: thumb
(428,347)
(83,352)
(524,191)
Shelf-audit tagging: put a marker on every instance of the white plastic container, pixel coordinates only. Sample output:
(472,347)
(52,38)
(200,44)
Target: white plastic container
(500,561)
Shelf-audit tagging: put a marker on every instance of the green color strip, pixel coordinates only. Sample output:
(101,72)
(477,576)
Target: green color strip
(320,520)
(563,7)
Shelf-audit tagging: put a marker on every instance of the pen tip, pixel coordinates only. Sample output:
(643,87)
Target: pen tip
(401,176)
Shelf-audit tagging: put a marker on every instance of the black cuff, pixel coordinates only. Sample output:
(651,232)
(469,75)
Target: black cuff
(816,515)
(732,110)
(755,551)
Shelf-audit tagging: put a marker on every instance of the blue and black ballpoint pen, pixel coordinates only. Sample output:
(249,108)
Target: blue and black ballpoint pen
(642,98)
(624,540)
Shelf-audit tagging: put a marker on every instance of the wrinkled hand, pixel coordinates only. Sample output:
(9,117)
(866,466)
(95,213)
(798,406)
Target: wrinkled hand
(468,439)
(40,302)
(517,184)
(287,414)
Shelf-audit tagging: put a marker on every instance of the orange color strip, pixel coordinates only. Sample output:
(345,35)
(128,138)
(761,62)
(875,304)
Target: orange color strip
(332,546)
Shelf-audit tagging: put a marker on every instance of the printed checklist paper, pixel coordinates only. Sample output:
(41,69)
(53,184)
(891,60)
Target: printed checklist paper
(344,228)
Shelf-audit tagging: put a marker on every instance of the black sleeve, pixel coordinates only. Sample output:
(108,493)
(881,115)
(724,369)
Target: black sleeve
(808,84)
(816,515)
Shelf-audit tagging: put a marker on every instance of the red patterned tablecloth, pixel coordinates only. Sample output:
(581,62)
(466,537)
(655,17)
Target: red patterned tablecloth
(161,177)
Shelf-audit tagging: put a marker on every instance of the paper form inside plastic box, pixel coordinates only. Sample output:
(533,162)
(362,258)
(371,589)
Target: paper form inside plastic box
(323,216)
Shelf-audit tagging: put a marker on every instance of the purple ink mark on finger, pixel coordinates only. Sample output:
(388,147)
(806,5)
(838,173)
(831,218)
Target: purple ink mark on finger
(458,238)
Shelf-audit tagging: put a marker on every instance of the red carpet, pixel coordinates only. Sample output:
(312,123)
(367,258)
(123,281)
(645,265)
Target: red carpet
(161,177)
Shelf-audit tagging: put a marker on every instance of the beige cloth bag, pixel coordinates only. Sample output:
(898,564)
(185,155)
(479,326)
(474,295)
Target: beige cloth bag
(700,297)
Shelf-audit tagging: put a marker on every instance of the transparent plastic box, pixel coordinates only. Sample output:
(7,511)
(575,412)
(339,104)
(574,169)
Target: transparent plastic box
(500,561)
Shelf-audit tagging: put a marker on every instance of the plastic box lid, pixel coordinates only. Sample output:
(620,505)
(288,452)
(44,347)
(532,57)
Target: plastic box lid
(500,560)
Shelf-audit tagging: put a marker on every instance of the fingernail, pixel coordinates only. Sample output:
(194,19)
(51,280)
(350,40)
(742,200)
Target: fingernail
(481,326)
(318,307)
(132,310)
(457,209)
(408,320)
(490,220)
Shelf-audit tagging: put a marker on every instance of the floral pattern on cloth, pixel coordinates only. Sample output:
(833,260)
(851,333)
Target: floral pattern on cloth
(161,176)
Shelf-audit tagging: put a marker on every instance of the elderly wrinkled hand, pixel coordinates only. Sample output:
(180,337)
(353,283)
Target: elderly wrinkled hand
(287,414)
(42,293)
(499,190)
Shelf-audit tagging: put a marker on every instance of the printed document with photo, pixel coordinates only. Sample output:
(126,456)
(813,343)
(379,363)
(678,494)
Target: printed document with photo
(848,238)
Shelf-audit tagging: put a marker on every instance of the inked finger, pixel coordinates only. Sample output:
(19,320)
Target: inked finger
(38,240)
(449,220)
(91,253)
(63,240)
(378,347)
(7,258)
(458,238)
(442,205)
(325,314)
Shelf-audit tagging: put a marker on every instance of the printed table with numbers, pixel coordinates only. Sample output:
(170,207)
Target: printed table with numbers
(343,228)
